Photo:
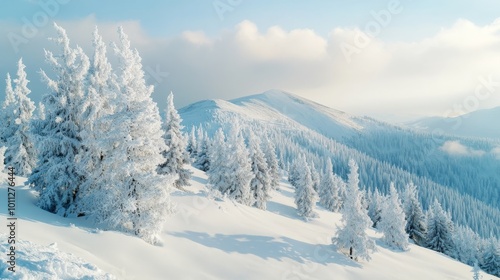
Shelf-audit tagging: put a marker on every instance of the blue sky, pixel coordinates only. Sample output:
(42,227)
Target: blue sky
(167,18)
(301,54)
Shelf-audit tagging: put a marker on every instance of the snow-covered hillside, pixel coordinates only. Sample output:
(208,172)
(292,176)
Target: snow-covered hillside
(386,153)
(272,107)
(479,123)
(210,238)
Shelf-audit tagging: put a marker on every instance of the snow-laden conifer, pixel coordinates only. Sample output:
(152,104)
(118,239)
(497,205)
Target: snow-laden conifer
(375,207)
(21,152)
(415,218)
(440,230)
(98,109)
(192,144)
(175,157)
(218,162)
(260,184)
(140,197)
(305,196)
(202,160)
(6,114)
(392,223)
(491,257)
(58,140)
(239,173)
(272,162)
(329,189)
(351,236)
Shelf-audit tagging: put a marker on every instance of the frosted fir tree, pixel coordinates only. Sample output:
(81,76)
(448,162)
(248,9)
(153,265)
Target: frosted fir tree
(305,196)
(20,152)
(98,107)
(218,155)
(329,189)
(202,160)
(315,178)
(272,162)
(351,236)
(415,218)
(393,222)
(439,230)
(56,177)
(295,170)
(375,207)
(192,144)
(137,198)
(260,184)
(239,174)
(491,257)
(467,244)
(9,105)
(175,157)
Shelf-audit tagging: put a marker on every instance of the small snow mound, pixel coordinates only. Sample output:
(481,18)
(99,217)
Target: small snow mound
(47,262)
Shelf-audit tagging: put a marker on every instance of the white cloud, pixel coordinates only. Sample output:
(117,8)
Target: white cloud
(496,152)
(277,44)
(458,149)
(436,75)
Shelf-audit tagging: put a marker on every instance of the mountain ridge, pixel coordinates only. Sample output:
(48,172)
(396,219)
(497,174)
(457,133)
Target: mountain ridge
(476,124)
(386,153)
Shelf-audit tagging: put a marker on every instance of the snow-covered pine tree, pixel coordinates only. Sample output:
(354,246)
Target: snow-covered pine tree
(202,160)
(21,152)
(260,184)
(295,170)
(139,196)
(58,135)
(393,222)
(439,230)
(98,108)
(272,162)
(467,244)
(315,177)
(329,189)
(415,218)
(239,173)
(352,235)
(305,196)
(375,207)
(490,262)
(218,155)
(175,155)
(192,144)
(6,115)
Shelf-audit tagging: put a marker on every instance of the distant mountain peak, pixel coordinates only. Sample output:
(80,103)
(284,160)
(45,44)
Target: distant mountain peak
(277,105)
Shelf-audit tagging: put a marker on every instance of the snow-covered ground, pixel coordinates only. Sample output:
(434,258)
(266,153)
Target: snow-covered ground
(208,238)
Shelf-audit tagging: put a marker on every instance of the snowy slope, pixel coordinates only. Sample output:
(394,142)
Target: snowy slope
(481,123)
(212,239)
(275,106)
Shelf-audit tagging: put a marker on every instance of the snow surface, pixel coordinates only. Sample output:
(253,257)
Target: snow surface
(276,107)
(210,238)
